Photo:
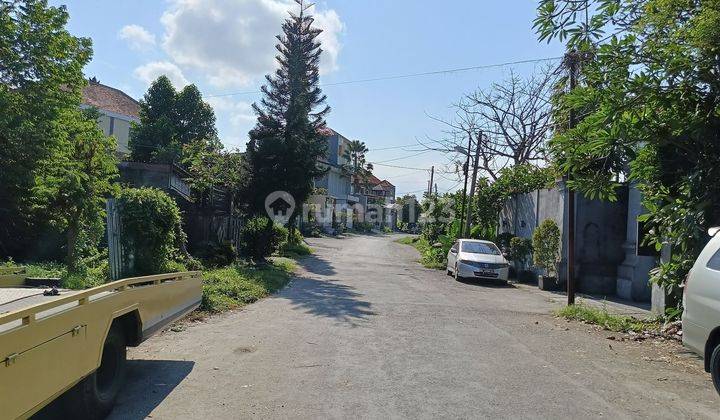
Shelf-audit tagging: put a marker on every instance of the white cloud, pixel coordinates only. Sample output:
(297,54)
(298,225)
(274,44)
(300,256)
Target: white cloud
(235,118)
(137,37)
(233,41)
(240,113)
(151,71)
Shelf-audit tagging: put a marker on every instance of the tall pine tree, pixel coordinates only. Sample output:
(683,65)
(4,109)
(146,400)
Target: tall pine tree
(288,140)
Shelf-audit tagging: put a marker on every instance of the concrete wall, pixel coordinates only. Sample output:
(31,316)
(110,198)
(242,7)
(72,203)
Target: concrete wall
(600,232)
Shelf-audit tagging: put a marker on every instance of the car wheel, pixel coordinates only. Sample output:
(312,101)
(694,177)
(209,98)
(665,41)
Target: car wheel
(715,367)
(94,396)
(457,277)
(449,272)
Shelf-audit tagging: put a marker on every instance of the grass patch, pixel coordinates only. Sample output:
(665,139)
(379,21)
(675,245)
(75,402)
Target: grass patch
(430,257)
(408,240)
(298,250)
(240,284)
(606,320)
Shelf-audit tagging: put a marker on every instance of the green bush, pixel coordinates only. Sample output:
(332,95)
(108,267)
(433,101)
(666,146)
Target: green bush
(151,230)
(261,237)
(292,250)
(520,250)
(213,254)
(387,229)
(546,246)
(363,227)
(295,237)
(503,239)
(312,230)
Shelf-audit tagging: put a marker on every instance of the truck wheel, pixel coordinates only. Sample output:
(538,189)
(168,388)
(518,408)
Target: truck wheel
(94,396)
(715,367)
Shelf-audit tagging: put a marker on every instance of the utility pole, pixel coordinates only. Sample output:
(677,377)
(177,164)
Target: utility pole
(436,193)
(476,162)
(432,176)
(571,60)
(466,169)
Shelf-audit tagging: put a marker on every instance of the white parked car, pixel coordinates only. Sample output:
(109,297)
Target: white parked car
(472,258)
(701,300)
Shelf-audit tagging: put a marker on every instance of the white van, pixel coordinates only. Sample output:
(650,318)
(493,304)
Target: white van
(701,300)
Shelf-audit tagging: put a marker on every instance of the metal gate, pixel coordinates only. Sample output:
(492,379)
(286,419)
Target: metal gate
(114,231)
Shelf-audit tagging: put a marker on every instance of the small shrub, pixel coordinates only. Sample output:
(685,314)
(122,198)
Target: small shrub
(261,237)
(520,250)
(312,230)
(546,246)
(213,254)
(295,237)
(503,239)
(291,250)
(386,229)
(363,227)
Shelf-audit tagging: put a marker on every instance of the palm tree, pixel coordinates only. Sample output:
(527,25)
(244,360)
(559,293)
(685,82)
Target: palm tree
(356,167)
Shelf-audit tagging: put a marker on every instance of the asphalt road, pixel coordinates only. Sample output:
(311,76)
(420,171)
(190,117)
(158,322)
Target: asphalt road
(366,332)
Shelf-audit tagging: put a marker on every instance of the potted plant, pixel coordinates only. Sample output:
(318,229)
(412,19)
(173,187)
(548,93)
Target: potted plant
(546,255)
(520,250)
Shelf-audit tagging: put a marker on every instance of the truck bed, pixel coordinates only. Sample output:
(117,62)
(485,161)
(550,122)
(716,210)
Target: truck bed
(50,343)
(14,298)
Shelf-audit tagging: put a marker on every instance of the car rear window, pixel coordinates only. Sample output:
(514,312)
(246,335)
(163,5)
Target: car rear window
(480,248)
(714,262)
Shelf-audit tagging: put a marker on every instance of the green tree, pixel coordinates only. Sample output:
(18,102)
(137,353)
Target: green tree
(357,167)
(40,80)
(288,139)
(649,98)
(170,121)
(72,183)
(211,166)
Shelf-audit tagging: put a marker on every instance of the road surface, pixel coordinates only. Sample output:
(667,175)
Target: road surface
(365,332)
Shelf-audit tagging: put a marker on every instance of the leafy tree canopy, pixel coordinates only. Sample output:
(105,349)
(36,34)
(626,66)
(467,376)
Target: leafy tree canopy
(72,183)
(648,105)
(40,82)
(169,121)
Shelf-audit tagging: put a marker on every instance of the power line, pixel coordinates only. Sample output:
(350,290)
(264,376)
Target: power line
(399,167)
(408,75)
(392,147)
(406,157)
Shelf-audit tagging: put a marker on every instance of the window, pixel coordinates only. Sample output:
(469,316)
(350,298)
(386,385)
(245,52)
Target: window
(714,262)
(480,248)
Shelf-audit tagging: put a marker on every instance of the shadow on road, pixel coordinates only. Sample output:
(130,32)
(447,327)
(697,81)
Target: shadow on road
(317,265)
(497,284)
(328,299)
(148,383)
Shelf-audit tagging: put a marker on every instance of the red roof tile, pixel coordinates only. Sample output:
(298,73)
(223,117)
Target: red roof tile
(110,99)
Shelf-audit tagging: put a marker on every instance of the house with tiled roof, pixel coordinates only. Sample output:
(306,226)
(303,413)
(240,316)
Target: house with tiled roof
(118,111)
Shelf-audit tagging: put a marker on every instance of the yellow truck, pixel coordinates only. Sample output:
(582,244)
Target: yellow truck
(73,343)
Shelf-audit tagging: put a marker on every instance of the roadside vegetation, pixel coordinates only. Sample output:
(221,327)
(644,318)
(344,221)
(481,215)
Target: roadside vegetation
(241,283)
(607,321)
(429,256)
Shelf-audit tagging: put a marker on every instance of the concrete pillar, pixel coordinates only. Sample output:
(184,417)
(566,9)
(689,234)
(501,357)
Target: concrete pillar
(659,296)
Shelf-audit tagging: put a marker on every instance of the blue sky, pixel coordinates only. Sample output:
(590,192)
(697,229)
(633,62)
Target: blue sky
(225,46)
